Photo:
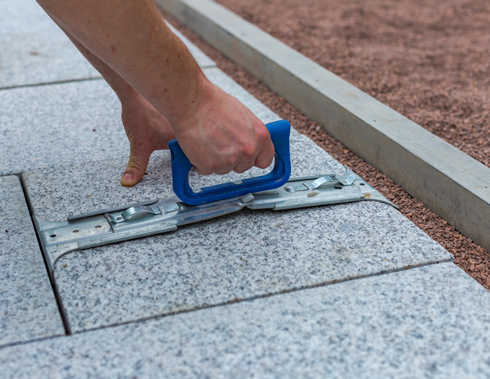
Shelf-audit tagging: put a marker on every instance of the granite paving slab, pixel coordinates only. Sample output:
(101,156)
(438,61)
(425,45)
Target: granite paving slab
(241,256)
(69,136)
(41,58)
(59,124)
(94,186)
(430,322)
(46,126)
(28,309)
(24,17)
(35,51)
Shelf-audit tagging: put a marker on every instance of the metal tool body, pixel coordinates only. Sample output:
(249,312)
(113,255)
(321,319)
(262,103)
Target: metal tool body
(166,215)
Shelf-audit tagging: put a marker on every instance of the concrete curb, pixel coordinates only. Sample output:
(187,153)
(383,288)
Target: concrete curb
(454,185)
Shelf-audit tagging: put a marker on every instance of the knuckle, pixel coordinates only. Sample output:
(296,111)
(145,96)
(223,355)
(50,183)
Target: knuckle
(263,134)
(248,151)
(134,164)
(224,166)
(203,169)
(229,161)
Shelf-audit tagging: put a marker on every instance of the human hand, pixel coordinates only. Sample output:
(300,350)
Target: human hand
(223,135)
(147,131)
(215,131)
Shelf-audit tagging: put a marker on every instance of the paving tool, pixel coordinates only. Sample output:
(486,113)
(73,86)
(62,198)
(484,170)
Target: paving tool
(271,191)
(279,132)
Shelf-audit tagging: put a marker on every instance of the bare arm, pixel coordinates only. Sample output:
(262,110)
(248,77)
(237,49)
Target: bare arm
(217,132)
(147,129)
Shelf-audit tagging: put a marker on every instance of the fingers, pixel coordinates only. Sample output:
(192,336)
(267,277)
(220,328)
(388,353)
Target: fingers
(245,157)
(240,155)
(247,161)
(240,162)
(243,166)
(266,156)
(136,168)
(224,136)
(220,166)
(147,131)
(259,157)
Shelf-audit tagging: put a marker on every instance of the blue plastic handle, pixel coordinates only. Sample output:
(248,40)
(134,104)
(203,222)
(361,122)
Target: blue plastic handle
(279,131)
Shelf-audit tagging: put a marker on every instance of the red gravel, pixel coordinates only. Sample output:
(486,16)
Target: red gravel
(427,59)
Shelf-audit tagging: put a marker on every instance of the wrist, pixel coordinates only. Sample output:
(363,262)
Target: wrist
(194,105)
(125,93)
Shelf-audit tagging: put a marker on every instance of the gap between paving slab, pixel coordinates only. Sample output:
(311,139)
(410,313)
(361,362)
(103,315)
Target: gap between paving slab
(36,52)
(52,282)
(145,278)
(406,324)
(28,309)
(448,181)
(54,125)
(245,255)
(81,353)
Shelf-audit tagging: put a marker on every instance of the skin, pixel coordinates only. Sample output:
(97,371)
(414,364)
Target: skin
(163,93)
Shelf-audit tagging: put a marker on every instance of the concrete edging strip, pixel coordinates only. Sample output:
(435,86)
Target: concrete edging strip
(448,181)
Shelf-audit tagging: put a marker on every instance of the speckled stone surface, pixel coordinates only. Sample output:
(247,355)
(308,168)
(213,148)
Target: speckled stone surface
(34,50)
(400,321)
(241,256)
(28,309)
(49,126)
(428,322)
(24,17)
(83,188)
(39,59)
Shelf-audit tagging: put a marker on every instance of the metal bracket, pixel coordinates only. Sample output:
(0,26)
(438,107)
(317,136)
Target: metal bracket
(161,216)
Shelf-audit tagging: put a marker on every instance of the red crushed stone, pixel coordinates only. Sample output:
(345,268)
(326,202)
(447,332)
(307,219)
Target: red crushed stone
(427,59)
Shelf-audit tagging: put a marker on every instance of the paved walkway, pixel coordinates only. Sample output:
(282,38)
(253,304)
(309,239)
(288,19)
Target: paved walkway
(352,290)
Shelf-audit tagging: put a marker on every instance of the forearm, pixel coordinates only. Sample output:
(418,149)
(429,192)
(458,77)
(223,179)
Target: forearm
(134,46)
(216,131)
(122,89)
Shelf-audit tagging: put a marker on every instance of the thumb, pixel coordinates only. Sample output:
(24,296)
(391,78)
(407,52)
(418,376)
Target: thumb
(138,162)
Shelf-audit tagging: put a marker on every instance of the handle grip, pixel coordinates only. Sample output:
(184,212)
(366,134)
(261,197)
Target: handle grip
(279,132)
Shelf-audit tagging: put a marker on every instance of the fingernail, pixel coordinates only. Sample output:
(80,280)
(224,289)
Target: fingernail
(127,177)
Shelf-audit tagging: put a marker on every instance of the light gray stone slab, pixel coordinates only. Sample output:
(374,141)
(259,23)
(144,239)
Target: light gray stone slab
(28,309)
(430,322)
(94,186)
(450,182)
(49,126)
(241,256)
(41,58)
(24,17)
(35,51)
